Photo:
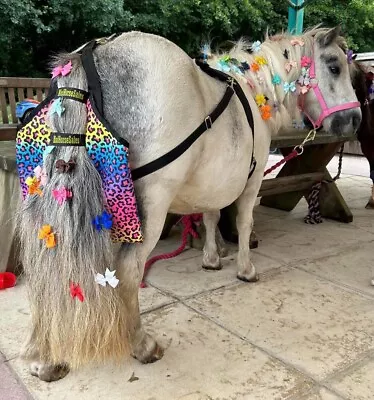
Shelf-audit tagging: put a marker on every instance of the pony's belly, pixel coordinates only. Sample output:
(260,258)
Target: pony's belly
(206,196)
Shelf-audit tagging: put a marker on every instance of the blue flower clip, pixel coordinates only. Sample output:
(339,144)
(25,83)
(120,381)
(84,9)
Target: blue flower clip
(105,220)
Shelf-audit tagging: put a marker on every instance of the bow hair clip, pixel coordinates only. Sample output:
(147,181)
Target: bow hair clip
(297,42)
(109,278)
(45,233)
(62,70)
(64,167)
(289,65)
(41,175)
(62,194)
(289,87)
(105,220)
(306,61)
(56,107)
(76,291)
(256,46)
(33,185)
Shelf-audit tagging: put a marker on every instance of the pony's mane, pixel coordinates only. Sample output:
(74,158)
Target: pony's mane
(273,48)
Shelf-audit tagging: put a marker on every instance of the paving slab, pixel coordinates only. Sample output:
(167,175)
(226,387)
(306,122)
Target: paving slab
(353,267)
(305,321)
(357,383)
(202,362)
(321,394)
(293,240)
(15,314)
(14,319)
(186,277)
(10,387)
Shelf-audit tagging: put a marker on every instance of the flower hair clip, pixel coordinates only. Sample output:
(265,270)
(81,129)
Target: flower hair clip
(45,233)
(256,46)
(289,65)
(62,70)
(61,195)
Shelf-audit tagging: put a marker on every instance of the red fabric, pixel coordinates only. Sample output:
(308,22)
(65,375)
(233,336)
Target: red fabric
(7,280)
(188,222)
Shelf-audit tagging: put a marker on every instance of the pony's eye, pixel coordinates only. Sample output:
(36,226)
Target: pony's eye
(335,70)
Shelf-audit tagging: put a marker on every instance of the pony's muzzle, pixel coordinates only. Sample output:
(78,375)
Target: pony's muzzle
(346,122)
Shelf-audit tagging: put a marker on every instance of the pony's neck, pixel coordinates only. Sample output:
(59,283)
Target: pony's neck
(272,73)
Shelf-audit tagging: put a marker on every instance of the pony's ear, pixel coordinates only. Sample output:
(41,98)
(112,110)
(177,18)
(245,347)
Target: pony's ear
(328,38)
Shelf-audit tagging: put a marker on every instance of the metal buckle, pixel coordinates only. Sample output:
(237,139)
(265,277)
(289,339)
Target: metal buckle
(208,122)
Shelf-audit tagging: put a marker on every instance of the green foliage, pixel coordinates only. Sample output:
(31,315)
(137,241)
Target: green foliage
(33,30)
(356,17)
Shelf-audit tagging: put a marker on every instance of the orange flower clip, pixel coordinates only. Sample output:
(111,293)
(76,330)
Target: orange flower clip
(265,112)
(34,185)
(255,67)
(47,234)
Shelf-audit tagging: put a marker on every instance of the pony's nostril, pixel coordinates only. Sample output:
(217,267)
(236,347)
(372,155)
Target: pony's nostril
(336,124)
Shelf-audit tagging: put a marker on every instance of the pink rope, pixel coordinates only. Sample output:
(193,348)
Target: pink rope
(289,157)
(188,222)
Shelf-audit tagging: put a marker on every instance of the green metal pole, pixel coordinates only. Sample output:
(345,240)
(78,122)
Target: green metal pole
(296,17)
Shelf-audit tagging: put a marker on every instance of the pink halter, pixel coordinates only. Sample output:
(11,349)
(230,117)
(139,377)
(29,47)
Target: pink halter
(326,111)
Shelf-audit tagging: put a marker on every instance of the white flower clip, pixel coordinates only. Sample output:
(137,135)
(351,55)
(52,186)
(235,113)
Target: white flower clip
(256,46)
(109,278)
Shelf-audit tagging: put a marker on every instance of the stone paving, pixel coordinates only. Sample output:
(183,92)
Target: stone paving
(305,331)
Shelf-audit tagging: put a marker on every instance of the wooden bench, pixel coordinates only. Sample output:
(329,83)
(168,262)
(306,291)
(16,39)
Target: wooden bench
(13,90)
(293,181)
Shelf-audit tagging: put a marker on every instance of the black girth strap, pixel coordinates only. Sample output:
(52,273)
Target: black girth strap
(172,155)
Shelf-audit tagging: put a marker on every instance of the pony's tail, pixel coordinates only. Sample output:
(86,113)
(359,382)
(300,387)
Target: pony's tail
(75,320)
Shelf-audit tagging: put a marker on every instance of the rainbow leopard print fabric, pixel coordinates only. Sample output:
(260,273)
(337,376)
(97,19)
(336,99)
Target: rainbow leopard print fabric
(108,154)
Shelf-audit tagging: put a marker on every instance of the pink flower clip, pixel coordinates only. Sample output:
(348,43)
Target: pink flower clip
(289,65)
(297,42)
(41,175)
(306,61)
(62,70)
(62,194)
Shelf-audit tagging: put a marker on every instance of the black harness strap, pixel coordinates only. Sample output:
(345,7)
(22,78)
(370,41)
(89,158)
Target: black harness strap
(172,155)
(93,79)
(94,87)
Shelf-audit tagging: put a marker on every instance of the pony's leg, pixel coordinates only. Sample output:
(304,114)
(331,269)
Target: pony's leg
(44,371)
(133,259)
(221,245)
(244,222)
(211,258)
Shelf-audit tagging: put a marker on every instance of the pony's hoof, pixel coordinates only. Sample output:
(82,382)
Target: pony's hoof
(212,267)
(48,372)
(152,356)
(253,278)
(372,282)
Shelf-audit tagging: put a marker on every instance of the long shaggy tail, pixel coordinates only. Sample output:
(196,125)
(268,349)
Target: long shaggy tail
(66,329)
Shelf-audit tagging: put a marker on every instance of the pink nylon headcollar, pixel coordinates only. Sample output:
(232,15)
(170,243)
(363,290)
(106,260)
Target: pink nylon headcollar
(326,111)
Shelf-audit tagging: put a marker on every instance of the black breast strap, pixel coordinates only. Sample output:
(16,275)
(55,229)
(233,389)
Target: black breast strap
(173,154)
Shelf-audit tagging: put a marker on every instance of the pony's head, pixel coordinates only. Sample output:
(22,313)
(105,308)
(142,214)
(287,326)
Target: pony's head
(331,101)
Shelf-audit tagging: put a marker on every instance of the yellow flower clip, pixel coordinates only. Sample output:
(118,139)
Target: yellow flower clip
(31,180)
(260,100)
(260,60)
(33,184)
